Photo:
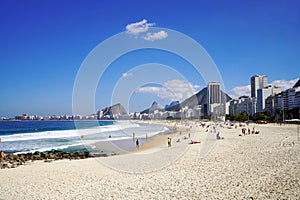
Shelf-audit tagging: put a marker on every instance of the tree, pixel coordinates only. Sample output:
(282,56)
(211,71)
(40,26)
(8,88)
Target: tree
(261,117)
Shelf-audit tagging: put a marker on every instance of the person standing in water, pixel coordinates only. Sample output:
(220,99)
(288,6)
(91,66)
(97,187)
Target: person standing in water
(137,143)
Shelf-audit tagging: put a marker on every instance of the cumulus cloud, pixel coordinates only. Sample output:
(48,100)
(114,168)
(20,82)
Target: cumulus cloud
(125,75)
(236,92)
(173,90)
(285,84)
(156,36)
(138,27)
(142,27)
(246,90)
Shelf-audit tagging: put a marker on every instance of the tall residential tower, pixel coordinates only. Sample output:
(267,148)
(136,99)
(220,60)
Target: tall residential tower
(258,82)
(214,96)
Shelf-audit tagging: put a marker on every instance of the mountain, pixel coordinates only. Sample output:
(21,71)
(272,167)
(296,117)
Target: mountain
(153,107)
(172,104)
(297,84)
(199,98)
(113,112)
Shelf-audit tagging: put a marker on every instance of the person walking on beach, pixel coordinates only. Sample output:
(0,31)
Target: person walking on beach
(137,143)
(169,142)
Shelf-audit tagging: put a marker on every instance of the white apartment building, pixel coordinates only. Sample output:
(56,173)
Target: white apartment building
(263,94)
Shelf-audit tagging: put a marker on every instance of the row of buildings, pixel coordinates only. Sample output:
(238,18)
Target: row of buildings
(266,98)
(55,117)
(210,101)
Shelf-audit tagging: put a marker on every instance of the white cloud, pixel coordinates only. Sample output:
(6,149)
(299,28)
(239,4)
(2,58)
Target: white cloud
(173,90)
(284,84)
(156,36)
(143,27)
(236,92)
(138,27)
(125,75)
(246,90)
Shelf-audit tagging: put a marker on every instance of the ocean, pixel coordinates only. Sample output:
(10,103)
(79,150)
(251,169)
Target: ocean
(69,136)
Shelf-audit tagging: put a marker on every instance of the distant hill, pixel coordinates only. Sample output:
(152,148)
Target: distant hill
(172,104)
(297,84)
(153,107)
(112,111)
(199,98)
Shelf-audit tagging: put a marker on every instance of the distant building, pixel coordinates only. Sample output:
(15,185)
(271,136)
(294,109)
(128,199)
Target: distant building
(263,94)
(214,96)
(285,100)
(258,82)
(214,92)
(243,103)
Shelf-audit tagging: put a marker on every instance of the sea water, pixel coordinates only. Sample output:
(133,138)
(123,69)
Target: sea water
(69,136)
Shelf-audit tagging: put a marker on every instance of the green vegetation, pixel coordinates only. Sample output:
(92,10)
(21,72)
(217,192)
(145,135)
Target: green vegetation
(242,117)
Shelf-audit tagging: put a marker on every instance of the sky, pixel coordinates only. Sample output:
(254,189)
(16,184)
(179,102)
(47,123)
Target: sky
(43,45)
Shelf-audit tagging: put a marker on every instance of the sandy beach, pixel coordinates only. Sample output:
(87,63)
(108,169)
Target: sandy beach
(256,166)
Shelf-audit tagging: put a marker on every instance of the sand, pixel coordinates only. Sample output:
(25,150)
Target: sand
(263,166)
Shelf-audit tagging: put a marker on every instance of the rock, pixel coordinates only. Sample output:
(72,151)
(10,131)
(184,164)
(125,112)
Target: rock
(36,157)
(12,160)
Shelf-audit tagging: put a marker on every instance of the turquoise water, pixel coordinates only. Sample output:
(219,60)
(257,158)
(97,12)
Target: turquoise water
(30,136)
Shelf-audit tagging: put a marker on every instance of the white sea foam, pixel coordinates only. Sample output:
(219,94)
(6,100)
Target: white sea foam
(63,139)
(99,131)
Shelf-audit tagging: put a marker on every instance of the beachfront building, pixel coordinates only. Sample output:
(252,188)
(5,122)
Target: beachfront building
(285,100)
(243,103)
(258,82)
(214,96)
(263,94)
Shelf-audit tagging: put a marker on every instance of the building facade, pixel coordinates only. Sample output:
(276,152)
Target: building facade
(263,94)
(214,96)
(258,82)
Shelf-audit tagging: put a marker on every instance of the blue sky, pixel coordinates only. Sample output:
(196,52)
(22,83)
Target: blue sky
(43,44)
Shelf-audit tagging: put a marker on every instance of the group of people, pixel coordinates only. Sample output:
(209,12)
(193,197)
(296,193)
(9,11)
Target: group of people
(248,131)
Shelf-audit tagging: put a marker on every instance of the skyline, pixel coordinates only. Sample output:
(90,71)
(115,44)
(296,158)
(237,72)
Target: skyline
(44,45)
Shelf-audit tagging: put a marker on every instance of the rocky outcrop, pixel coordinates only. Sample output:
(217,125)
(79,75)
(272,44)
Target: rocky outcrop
(14,160)
(116,111)
(153,107)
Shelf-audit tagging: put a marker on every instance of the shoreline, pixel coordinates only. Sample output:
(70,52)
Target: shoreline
(105,149)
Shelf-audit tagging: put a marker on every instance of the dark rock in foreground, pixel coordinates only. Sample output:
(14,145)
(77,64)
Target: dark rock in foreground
(14,160)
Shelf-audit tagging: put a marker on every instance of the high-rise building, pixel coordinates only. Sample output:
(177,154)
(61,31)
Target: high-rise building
(214,92)
(263,94)
(258,82)
(214,96)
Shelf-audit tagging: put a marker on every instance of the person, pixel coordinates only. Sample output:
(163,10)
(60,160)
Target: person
(189,135)
(194,142)
(2,156)
(169,142)
(218,136)
(137,143)
(133,136)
